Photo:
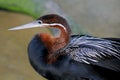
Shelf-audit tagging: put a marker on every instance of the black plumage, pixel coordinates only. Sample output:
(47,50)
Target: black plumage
(67,67)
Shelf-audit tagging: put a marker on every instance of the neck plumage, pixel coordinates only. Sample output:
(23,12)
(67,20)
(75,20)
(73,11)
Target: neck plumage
(53,44)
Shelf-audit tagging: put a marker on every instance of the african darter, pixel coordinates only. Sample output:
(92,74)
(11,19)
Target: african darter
(72,57)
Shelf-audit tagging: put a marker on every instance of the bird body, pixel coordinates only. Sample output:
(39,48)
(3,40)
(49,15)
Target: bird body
(67,67)
(72,57)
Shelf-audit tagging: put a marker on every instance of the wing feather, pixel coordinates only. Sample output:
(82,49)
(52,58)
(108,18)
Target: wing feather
(96,51)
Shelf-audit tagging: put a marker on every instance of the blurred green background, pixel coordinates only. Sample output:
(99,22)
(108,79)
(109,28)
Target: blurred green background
(99,18)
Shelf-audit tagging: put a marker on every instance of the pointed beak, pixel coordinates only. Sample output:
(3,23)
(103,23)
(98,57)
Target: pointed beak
(33,24)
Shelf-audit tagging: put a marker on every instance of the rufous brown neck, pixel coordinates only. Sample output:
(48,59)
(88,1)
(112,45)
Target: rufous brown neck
(53,44)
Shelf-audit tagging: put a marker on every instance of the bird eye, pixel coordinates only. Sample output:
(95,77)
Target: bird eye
(39,21)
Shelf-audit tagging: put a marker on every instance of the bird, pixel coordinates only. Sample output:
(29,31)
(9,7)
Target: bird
(65,56)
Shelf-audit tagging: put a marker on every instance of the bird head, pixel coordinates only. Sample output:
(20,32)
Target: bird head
(50,20)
